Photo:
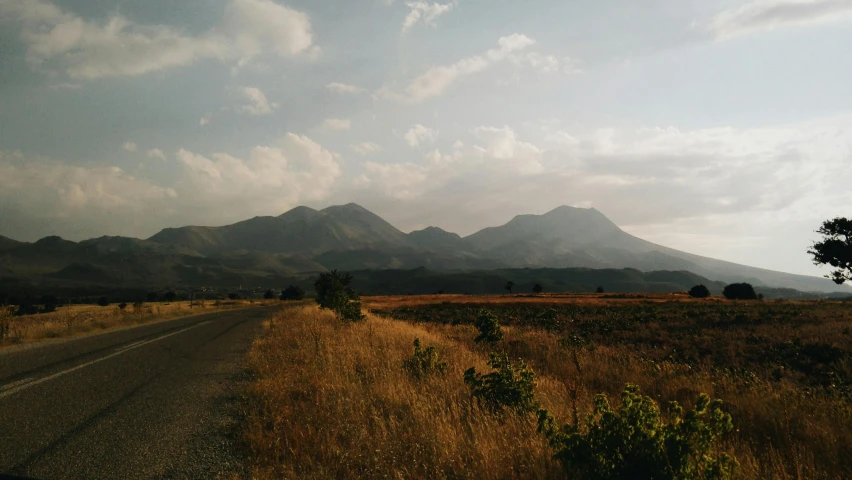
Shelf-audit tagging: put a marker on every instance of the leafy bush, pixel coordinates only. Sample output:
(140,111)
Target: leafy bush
(599,290)
(424,362)
(488,326)
(26,308)
(335,293)
(293,292)
(740,291)
(537,288)
(122,305)
(635,442)
(509,386)
(351,311)
(699,291)
(269,295)
(103,302)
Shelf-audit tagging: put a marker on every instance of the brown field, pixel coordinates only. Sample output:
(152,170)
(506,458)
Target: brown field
(73,320)
(332,401)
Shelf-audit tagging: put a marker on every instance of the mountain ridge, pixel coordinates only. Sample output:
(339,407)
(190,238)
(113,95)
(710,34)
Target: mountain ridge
(353,238)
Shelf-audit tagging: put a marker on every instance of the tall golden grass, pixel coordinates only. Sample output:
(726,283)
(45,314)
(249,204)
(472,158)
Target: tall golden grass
(333,401)
(73,320)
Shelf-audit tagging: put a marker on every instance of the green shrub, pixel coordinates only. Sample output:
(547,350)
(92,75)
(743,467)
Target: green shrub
(509,386)
(699,291)
(488,326)
(293,292)
(740,291)
(350,311)
(635,442)
(424,362)
(335,294)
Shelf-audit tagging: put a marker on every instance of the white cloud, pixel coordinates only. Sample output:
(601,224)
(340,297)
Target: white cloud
(271,179)
(258,26)
(424,13)
(344,88)
(419,134)
(366,148)
(760,15)
(337,124)
(257,105)
(438,79)
(40,197)
(43,195)
(116,46)
(156,153)
(129,146)
(502,145)
(205,120)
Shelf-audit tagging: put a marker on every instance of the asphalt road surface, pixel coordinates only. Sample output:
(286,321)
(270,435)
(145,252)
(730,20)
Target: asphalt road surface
(155,401)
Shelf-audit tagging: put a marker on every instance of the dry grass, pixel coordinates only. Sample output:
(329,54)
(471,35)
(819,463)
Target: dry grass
(73,320)
(332,401)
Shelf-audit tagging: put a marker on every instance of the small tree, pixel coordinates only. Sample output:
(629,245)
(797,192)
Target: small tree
(509,386)
(26,308)
(103,301)
(635,442)
(293,292)
(335,293)
(739,291)
(599,290)
(509,286)
(488,326)
(269,295)
(424,362)
(537,288)
(835,249)
(699,291)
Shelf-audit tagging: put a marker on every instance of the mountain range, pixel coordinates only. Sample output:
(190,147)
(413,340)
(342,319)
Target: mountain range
(303,241)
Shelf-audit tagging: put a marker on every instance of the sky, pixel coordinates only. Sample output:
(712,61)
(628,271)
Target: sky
(717,127)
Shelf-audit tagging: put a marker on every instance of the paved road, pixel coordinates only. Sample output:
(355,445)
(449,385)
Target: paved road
(148,402)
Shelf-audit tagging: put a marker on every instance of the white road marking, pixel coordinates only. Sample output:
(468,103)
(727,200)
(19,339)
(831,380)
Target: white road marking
(15,384)
(21,385)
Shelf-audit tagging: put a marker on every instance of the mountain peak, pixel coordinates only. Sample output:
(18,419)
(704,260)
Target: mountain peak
(349,207)
(52,240)
(299,212)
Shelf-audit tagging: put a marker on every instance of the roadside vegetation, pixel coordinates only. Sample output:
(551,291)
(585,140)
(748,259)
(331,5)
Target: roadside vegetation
(584,386)
(54,321)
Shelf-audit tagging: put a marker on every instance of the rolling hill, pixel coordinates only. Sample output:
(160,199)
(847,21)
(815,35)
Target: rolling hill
(303,241)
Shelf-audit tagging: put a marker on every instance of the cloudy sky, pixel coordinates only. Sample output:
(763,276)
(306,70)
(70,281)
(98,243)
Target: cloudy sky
(719,127)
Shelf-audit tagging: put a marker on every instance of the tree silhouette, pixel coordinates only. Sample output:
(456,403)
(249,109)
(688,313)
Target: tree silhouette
(740,291)
(170,296)
(537,288)
(293,292)
(699,291)
(509,286)
(269,295)
(599,290)
(835,249)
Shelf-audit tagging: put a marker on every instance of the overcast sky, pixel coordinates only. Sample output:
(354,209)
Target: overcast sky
(718,127)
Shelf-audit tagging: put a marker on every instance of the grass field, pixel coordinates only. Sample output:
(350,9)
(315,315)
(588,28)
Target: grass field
(74,320)
(332,401)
